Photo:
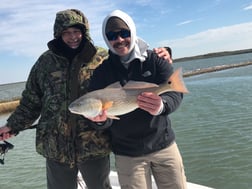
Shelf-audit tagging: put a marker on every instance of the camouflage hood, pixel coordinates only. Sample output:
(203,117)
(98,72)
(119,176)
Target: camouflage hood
(68,18)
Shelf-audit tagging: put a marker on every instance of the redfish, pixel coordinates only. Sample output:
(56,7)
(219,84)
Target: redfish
(118,100)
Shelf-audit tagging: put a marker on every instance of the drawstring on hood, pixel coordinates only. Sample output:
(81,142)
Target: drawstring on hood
(138,47)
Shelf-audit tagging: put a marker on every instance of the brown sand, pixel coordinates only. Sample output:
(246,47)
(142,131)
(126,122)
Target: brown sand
(7,107)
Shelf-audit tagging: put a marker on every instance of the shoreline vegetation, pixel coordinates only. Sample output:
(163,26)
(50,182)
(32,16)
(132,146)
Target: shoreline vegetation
(215,54)
(9,106)
(215,68)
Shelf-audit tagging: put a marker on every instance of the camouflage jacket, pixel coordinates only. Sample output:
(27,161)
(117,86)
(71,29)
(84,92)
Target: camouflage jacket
(52,85)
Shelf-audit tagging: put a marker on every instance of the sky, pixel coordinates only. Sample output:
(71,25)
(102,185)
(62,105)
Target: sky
(189,27)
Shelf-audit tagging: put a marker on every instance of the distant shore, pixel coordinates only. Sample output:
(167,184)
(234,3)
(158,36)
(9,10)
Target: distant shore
(211,55)
(215,68)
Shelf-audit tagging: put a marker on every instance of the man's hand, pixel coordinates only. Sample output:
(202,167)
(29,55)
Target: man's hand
(150,102)
(99,118)
(163,53)
(5,133)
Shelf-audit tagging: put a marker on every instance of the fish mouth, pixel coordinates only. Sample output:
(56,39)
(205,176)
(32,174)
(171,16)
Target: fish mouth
(72,108)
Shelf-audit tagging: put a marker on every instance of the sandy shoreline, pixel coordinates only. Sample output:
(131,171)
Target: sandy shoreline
(7,107)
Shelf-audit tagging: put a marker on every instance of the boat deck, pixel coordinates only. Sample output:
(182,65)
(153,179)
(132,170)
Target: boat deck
(115,184)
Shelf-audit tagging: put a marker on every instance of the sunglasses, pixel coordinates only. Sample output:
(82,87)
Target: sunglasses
(112,36)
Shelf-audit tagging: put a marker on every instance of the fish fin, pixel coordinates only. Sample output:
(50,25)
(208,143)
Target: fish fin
(107,105)
(115,85)
(113,117)
(176,81)
(138,85)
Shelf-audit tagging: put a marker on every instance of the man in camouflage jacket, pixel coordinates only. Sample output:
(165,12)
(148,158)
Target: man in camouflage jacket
(67,141)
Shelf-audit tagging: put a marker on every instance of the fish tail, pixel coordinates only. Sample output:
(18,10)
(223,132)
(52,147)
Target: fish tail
(174,83)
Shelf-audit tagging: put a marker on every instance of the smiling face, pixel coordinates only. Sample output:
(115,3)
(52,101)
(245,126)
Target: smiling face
(72,37)
(120,41)
(119,33)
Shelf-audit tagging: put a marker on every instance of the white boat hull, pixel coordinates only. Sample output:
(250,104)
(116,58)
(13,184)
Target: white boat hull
(115,184)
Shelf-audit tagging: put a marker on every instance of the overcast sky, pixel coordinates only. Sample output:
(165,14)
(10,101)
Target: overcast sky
(188,27)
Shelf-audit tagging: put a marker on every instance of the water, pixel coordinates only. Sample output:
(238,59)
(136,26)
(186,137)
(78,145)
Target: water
(213,130)
(11,91)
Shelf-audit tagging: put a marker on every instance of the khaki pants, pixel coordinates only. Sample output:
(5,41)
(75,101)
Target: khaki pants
(166,166)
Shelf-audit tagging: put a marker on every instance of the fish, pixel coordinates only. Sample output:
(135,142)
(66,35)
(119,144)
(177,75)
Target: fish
(118,100)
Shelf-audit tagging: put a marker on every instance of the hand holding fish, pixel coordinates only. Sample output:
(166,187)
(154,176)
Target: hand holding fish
(150,102)
(100,117)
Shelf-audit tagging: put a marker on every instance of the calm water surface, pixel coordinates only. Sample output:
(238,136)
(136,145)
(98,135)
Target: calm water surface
(213,128)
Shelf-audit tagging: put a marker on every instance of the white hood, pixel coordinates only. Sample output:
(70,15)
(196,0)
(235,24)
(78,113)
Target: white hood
(138,46)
